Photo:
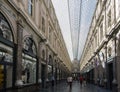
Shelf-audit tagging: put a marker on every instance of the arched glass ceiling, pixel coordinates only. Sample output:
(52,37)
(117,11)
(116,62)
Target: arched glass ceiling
(80,15)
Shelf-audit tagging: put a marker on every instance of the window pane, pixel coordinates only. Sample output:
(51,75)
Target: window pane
(43,24)
(30,7)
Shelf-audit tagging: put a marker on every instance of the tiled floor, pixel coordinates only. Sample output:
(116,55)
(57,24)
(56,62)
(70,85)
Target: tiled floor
(63,87)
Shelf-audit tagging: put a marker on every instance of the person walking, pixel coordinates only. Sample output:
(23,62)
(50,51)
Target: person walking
(81,80)
(69,80)
(52,80)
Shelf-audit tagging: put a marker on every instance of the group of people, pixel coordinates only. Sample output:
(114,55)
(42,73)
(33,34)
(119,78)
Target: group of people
(70,80)
(81,79)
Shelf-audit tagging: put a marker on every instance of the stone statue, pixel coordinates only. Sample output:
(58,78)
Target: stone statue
(29,44)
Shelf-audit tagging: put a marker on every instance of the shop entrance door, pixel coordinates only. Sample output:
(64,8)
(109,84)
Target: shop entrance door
(2,78)
(43,75)
(110,71)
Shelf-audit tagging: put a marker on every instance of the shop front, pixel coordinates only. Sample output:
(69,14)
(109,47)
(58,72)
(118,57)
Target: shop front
(6,55)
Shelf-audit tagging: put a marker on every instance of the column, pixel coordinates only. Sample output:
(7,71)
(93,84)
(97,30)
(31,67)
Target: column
(39,62)
(19,54)
(56,73)
(106,76)
(118,63)
(46,68)
(114,82)
(53,65)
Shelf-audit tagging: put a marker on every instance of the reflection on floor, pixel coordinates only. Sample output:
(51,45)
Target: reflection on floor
(76,87)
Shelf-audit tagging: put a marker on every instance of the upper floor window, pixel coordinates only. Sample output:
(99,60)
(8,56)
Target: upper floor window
(30,7)
(117,9)
(109,52)
(109,18)
(50,35)
(95,40)
(101,32)
(43,24)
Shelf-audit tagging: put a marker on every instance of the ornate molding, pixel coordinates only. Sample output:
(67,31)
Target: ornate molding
(7,10)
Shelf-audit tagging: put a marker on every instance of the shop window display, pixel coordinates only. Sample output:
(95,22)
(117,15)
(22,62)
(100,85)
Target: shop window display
(29,61)
(29,69)
(6,56)
(49,72)
(50,68)
(6,53)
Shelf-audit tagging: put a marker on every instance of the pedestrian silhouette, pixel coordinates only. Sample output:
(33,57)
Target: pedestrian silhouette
(69,80)
(81,80)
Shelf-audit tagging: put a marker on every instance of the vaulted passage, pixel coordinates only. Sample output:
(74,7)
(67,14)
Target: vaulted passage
(59,45)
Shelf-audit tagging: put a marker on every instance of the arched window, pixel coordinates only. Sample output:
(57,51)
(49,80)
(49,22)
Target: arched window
(29,61)
(6,53)
(5,30)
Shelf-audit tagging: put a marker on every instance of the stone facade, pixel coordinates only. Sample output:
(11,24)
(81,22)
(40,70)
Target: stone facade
(100,57)
(30,34)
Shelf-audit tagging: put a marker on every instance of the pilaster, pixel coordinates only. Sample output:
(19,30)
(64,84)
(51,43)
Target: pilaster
(114,82)
(19,53)
(39,63)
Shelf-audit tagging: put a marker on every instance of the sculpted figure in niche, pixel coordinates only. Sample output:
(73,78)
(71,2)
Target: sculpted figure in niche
(29,44)
(1,32)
